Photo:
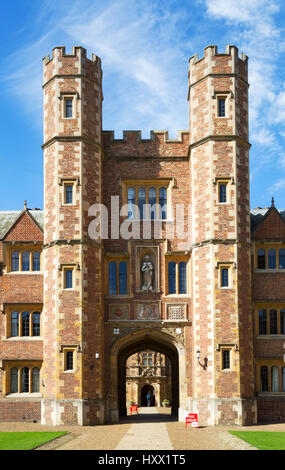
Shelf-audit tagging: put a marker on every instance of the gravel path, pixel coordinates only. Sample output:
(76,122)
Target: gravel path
(150,430)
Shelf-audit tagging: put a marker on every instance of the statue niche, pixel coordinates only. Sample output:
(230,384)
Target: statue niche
(147,270)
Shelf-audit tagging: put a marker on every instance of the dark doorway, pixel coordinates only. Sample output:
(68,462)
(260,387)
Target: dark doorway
(145,343)
(144,391)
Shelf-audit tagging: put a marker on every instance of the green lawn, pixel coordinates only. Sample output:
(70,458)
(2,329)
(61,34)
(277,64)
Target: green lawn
(263,440)
(26,440)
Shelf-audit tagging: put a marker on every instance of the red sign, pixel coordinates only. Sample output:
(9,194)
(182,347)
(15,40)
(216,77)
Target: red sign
(192,419)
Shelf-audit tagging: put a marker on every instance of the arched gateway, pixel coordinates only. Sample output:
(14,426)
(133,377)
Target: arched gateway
(139,340)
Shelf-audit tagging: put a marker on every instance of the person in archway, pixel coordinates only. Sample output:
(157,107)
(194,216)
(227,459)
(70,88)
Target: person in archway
(148,398)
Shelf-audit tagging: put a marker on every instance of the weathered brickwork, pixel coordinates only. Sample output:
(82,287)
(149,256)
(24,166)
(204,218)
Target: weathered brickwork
(209,331)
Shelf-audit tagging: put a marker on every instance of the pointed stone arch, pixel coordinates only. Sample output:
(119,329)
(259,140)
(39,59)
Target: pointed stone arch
(139,340)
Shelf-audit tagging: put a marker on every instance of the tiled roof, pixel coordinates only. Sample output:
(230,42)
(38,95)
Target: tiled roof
(257,214)
(8,218)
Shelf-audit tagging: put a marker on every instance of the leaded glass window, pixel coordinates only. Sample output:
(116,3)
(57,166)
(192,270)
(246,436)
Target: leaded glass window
(36,261)
(264,378)
(15,261)
(36,324)
(112,278)
(26,324)
(182,278)
(25,380)
(14,380)
(15,324)
(271,259)
(172,277)
(26,261)
(261,259)
(35,380)
(122,277)
(262,319)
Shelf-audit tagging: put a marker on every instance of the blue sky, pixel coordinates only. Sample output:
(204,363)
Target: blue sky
(145,46)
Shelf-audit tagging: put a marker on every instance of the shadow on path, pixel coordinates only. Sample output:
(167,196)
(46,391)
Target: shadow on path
(150,415)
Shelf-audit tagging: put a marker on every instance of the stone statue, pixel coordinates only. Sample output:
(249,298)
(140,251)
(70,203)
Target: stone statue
(147,270)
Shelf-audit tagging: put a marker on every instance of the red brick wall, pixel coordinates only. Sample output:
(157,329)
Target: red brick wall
(19,410)
(25,229)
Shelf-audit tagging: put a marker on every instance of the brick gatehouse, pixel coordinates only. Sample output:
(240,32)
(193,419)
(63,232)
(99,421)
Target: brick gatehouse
(74,307)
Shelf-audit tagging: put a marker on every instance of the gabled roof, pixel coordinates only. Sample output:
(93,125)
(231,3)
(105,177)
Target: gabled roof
(259,215)
(9,218)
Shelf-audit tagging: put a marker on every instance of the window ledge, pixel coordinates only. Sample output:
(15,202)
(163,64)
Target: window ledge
(270,337)
(277,270)
(117,296)
(24,395)
(24,272)
(177,296)
(271,394)
(23,338)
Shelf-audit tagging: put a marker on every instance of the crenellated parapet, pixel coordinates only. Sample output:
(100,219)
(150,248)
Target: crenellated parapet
(228,63)
(76,63)
(157,145)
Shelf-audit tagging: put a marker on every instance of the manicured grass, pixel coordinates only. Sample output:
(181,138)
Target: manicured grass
(26,440)
(263,440)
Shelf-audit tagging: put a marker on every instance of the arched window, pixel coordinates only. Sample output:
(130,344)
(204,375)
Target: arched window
(14,380)
(26,261)
(26,324)
(141,202)
(261,259)
(172,277)
(223,193)
(274,379)
(271,259)
(122,277)
(35,380)
(273,322)
(36,261)
(15,324)
(262,320)
(282,258)
(152,202)
(15,261)
(282,321)
(25,383)
(264,378)
(112,278)
(163,203)
(182,278)
(36,326)
(131,203)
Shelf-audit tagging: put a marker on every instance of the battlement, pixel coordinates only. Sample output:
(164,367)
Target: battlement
(212,51)
(77,51)
(135,136)
(158,144)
